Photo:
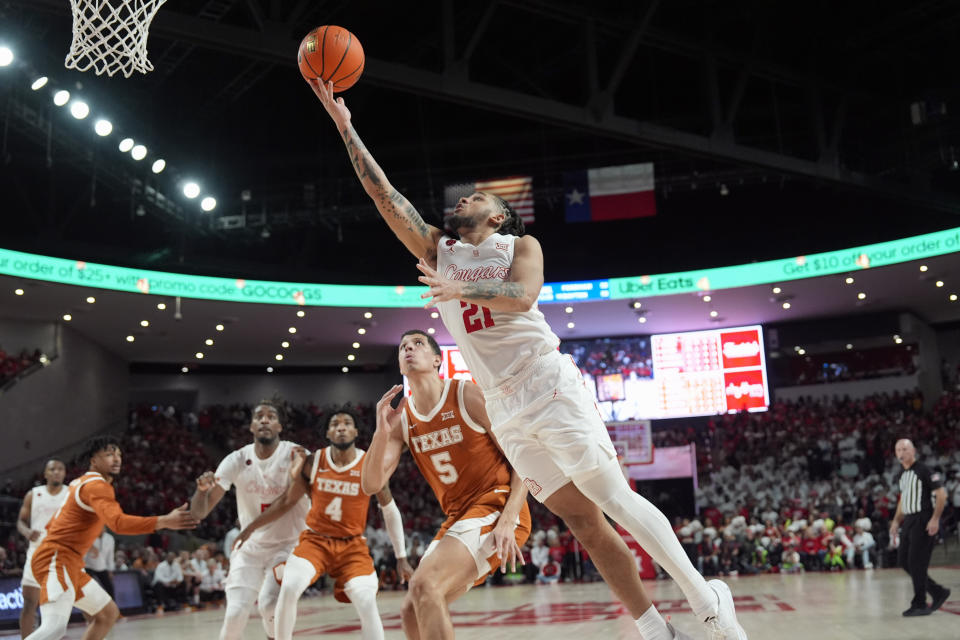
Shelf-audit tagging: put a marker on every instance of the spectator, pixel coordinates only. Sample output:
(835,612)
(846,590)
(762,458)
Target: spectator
(168,583)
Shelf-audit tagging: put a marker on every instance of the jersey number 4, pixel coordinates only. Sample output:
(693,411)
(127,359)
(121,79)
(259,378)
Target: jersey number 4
(475,317)
(334,510)
(444,466)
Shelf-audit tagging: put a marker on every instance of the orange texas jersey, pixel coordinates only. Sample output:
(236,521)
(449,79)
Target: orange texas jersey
(455,454)
(90,504)
(338,508)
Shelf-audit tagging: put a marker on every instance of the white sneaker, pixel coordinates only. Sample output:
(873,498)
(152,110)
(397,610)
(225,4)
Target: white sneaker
(724,625)
(677,635)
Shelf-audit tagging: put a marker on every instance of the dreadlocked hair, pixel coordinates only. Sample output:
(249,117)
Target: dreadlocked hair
(512,225)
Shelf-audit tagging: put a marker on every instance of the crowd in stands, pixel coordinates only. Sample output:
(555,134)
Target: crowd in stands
(611,355)
(12,365)
(803,486)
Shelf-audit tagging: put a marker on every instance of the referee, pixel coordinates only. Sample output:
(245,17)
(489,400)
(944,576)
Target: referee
(922,498)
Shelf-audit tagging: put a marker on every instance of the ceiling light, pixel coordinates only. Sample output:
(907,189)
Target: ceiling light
(434,315)
(849,280)
(351,357)
(953,297)
(6,56)
(79,109)
(219,327)
(208,342)
(431,331)
(292,329)
(161,306)
(91,299)
(199,355)
(637,304)
(939,283)
(569,310)
(861,296)
(707,298)
(67,317)
(344,369)
(714,313)
(300,313)
(144,323)
(356,345)
(285,344)
(184,369)
(777,289)
(191,190)
(159,165)
(130,338)
(802,351)
(786,305)
(279,356)
(139,152)
(103,127)
(269,369)
(898,340)
(39,83)
(368,315)
(796,348)
(641,319)
(125,145)
(208,204)
(896,337)
(18,292)
(923,267)
(849,346)
(61,97)
(571,325)
(361,331)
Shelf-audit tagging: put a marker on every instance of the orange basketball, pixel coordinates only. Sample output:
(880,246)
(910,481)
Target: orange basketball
(331,53)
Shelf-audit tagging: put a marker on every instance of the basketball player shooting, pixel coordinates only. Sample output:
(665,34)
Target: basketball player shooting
(484,277)
(446,429)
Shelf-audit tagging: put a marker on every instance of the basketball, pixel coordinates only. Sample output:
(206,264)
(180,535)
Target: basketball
(331,53)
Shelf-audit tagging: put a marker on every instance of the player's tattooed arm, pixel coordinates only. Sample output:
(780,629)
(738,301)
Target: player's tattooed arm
(491,290)
(402,217)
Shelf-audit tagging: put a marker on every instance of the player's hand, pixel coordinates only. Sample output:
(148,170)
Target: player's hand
(35,535)
(404,570)
(177,519)
(505,543)
(206,482)
(933,526)
(441,289)
(388,418)
(336,107)
(298,455)
(243,537)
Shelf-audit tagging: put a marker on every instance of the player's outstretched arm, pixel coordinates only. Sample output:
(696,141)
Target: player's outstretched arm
(23,519)
(100,497)
(394,526)
(518,293)
(402,217)
(382,456)
(178,519)
(297,489)
(206,497)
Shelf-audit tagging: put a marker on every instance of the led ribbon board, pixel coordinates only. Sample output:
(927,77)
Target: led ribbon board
(89,274)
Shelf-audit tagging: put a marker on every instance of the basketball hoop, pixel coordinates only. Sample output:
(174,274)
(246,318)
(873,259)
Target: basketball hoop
(111,35)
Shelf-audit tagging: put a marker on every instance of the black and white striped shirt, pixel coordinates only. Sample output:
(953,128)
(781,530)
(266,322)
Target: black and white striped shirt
(917,485)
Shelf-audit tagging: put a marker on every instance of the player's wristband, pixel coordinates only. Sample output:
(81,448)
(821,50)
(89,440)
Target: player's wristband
(394,526)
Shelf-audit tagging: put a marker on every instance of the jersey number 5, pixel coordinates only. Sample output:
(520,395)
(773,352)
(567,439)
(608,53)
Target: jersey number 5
(475,317)
(334,510)
(444,466)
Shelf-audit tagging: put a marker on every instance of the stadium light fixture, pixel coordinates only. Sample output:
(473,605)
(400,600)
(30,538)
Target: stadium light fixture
(103,127)
(139,152)
(191,190)
(61,97)
(159,165)
(208,204)
(126,144)
(79,109)
(40,83)
(6,56)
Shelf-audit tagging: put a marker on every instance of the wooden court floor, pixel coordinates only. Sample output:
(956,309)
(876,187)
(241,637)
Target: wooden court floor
(856,605)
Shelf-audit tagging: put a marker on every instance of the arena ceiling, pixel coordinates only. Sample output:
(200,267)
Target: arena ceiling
(776,129)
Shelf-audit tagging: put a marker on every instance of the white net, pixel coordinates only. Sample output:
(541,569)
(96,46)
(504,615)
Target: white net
(110,36)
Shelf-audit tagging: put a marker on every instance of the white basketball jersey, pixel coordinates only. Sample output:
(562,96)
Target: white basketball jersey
(496,345)
(259,483)
(43,506)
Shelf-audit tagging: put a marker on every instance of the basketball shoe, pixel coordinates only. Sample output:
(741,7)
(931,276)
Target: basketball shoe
(678,635)
(724,625)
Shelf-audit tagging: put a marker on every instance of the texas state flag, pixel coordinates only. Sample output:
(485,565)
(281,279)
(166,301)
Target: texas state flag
(609,193)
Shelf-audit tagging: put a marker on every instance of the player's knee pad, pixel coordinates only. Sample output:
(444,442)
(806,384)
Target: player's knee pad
(604,485)
(362,589)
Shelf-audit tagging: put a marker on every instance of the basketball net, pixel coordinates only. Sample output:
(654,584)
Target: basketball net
(111,35)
